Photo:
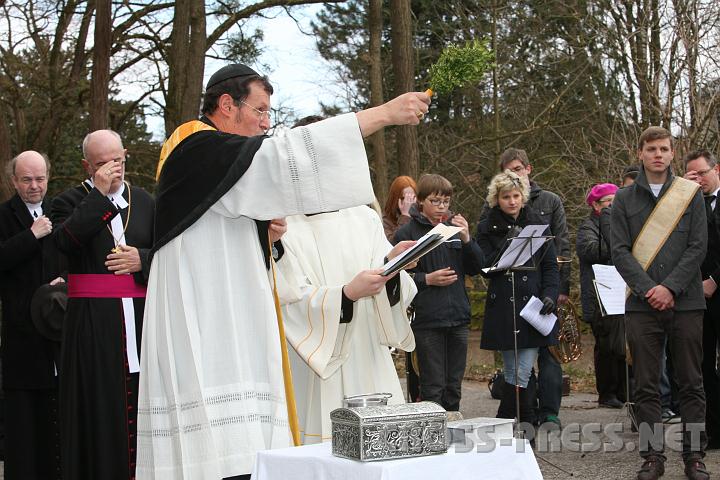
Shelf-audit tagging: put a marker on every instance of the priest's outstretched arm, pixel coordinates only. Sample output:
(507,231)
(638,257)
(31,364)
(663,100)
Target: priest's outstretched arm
(316,168)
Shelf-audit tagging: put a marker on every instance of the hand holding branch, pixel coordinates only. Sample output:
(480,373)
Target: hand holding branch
(407,109)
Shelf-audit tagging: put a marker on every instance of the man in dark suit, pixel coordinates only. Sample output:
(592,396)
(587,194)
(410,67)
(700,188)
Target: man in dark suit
(702,167)
(28,371)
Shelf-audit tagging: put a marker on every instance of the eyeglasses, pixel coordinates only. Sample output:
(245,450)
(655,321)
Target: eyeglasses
(436,202)
(702,173)
(260,113)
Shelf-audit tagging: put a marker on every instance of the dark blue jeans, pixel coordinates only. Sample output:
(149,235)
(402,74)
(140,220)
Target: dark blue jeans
(442,353)
(549,385)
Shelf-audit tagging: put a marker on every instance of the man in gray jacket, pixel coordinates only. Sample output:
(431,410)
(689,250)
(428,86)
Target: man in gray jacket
(666,301)
(550,208)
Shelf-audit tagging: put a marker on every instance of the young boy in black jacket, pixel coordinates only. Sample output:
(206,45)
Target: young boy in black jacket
(442,308)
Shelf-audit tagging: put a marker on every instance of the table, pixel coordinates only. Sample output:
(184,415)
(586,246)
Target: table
(315,462)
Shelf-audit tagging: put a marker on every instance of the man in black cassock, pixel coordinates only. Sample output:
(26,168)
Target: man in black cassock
(28,371)
(105,228)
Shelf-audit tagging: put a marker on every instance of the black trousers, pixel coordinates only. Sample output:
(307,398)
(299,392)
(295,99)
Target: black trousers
(442,353)
(711,383)
(609,368)
(32,439)
(647,333)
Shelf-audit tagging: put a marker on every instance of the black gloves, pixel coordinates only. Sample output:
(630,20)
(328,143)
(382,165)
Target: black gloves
(548,306)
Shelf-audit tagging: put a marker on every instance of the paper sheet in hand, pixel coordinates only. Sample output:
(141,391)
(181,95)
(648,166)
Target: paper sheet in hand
(610,288)
(531,312)
(426,243)
(519,252)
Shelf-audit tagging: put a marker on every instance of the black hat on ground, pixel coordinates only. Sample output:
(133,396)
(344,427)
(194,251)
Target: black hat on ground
(230,71)
(47,309)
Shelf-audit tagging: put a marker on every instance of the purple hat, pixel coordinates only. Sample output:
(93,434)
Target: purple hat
(599,191)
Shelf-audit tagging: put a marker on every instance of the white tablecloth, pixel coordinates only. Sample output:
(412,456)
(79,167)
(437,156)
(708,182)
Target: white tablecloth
(315,462)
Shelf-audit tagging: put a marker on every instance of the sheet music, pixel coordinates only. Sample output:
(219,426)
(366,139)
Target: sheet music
(439,234)
(610,288)
(542,323)
(518,253)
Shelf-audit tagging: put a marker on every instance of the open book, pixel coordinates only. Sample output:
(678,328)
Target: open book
(424,244)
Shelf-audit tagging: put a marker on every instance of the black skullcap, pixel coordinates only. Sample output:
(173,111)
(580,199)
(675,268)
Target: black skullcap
(230,71)
(631,171)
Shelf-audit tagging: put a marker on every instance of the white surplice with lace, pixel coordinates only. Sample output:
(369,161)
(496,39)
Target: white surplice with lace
(211,389)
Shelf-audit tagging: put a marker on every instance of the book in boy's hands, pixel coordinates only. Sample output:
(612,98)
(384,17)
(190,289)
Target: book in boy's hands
(425,244)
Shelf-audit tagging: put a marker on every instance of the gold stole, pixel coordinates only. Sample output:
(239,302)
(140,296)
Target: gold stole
(663,220)
(287,372)
(180,134)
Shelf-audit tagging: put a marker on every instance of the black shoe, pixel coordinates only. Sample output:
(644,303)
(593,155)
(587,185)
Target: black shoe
(610,402)
(695,469)
(713,443)
(652,468)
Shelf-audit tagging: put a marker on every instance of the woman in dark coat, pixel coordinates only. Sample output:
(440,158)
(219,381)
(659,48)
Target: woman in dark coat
(507,197)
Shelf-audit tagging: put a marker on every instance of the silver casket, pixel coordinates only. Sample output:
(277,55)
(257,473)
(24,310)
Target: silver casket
(389,431)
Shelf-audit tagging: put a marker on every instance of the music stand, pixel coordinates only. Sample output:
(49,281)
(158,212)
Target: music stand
(515,255)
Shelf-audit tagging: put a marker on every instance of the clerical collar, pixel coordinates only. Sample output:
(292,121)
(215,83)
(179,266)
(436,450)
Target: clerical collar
(116,198)
(35,209)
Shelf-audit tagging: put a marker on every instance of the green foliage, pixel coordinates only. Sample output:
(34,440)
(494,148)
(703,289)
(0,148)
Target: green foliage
(477,308)
(244,48)
(459,67)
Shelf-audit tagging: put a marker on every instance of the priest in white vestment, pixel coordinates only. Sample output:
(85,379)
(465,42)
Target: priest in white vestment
(211,383)
(341,347)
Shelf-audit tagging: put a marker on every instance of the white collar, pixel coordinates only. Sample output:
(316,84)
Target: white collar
(34,207)
(116,197)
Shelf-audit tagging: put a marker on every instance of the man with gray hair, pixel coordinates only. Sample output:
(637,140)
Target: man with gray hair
(28,374)
(105,227)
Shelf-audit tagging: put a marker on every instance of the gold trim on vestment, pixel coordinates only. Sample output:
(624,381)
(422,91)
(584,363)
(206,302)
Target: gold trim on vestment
(180,134)
(309,320)
(322,337)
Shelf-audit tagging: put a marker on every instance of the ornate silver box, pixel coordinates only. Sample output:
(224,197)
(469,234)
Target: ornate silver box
(390,431)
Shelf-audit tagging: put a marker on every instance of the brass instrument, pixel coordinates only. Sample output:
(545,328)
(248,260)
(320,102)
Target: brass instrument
(569,347)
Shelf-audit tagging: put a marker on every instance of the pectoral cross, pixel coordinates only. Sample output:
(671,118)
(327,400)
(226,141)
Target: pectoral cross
(116,249)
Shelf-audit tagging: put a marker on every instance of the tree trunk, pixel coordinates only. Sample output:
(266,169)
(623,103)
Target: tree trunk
(6,188)
(375,24)
(403,57)
(186,63)
(100,81)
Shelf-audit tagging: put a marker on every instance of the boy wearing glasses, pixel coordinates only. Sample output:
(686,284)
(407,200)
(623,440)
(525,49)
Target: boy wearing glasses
(442,308)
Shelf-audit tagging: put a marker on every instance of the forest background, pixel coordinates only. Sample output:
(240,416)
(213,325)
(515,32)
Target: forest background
(573,82)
